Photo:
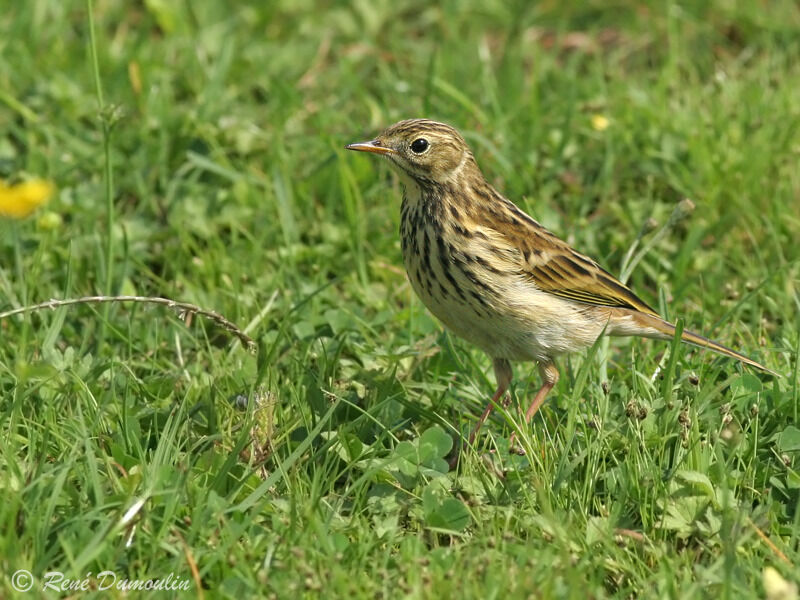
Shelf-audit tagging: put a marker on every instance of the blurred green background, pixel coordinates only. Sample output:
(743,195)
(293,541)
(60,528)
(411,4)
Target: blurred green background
(201,158)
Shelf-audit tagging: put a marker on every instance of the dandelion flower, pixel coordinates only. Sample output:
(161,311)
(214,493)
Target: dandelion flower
(20,200)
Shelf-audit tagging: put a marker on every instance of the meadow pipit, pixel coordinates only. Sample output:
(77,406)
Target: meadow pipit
(496,277)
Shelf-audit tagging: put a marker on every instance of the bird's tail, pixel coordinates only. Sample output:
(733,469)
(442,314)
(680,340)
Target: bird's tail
(666,330)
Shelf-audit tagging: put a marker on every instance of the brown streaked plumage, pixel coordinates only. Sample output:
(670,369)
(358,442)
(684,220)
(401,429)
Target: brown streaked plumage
(496,277)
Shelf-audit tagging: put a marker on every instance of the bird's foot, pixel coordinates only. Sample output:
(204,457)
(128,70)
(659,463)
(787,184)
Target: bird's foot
(452,462)
(513,447)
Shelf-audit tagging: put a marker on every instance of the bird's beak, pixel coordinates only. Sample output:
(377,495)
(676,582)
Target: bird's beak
(374,146)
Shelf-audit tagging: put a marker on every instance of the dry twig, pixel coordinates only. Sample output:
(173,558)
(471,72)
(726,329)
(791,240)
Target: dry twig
(185,311)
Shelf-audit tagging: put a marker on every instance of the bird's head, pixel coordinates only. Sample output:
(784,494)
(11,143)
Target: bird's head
(424,150)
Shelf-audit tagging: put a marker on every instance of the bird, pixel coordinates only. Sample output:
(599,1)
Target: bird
(496,277)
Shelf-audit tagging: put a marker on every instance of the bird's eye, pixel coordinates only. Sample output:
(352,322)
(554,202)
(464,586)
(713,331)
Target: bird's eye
(419,145)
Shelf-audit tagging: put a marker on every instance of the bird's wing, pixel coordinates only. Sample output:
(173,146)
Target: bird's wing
(554,267)
(559,270)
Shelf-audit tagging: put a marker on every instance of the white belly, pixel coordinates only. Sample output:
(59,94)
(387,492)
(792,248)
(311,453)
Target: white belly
(523,323)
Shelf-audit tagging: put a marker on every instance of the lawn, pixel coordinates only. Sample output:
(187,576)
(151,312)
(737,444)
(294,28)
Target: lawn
(197,151)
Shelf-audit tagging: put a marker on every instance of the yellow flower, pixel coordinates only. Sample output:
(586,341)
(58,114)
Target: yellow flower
(600,123)
(19,200)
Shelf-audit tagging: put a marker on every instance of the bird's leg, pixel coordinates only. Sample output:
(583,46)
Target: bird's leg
(550,377)
(487,411)
(502,373)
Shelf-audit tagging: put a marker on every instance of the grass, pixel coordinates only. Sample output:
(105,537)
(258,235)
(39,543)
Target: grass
(213,172)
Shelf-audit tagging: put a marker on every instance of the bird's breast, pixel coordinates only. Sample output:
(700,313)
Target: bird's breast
(472,287)
(453,280)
